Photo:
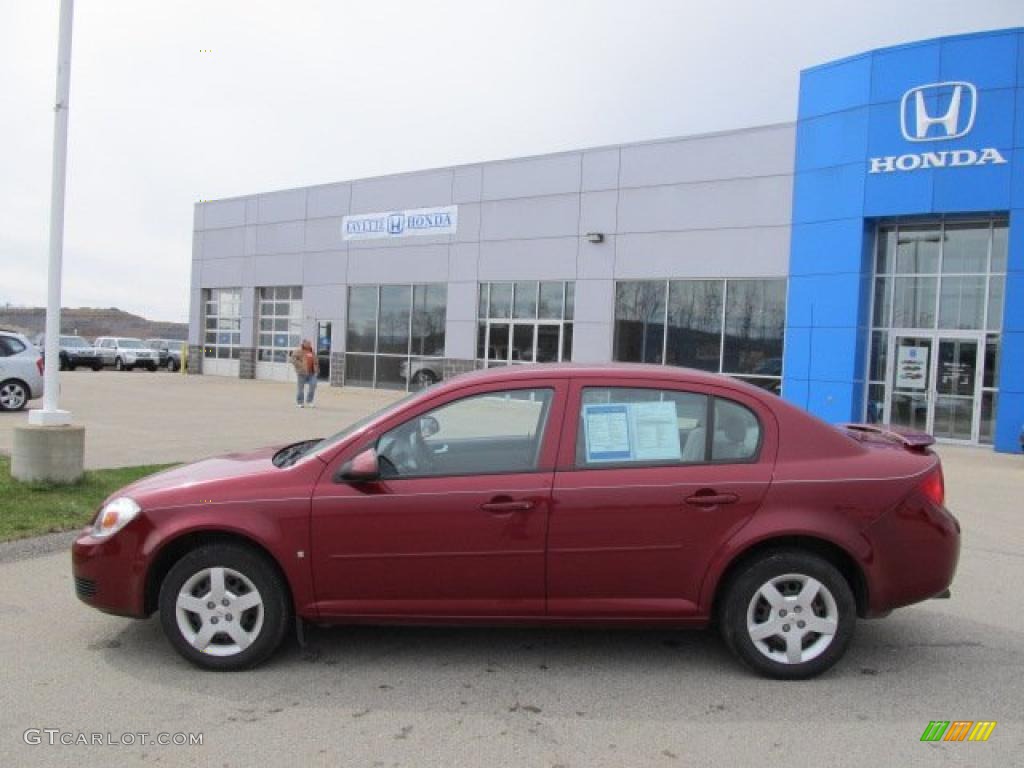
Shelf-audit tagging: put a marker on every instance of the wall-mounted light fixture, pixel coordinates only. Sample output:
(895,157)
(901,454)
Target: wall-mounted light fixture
(595,237)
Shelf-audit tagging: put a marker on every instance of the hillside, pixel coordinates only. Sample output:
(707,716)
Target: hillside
(90,323)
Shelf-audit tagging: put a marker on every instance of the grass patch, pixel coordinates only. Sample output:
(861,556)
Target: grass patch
(29,509)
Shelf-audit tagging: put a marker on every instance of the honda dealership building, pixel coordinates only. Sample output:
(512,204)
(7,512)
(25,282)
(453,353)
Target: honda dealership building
(865,261)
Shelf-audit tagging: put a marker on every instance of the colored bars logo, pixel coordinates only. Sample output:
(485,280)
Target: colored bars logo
(958,730)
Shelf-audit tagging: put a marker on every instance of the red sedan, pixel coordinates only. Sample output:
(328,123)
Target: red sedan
(555,494)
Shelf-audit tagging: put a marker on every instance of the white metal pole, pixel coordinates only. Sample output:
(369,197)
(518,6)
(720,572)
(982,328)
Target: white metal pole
(51,415)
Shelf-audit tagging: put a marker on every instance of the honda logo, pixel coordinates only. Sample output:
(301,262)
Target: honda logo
(938,111)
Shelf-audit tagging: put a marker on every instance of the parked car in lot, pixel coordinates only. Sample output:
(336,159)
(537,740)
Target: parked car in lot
(76,351)
(21,371)
(125,353)
(551,494)
(169,350)
(421,373)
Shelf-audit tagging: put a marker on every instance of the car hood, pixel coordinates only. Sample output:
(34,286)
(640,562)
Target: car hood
(178,480)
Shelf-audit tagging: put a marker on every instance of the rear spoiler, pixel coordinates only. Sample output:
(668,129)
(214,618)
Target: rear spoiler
(908,438)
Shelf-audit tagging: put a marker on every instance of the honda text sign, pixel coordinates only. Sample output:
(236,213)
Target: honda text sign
(934,113)
(421,221)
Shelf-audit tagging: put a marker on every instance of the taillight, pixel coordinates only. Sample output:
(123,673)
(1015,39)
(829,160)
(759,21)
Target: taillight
(39,365)
(934,487)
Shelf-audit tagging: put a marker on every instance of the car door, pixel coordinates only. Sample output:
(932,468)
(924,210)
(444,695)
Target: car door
(658,477)
(456,525)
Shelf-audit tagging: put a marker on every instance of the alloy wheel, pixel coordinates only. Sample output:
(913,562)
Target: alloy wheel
(792,618)
(219,611)
(12,396)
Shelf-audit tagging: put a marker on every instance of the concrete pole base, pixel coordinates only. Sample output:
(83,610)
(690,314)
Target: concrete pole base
(48,454)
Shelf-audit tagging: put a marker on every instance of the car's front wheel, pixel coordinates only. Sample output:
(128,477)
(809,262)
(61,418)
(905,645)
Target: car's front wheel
(788,615)
(224,607)
(423,379)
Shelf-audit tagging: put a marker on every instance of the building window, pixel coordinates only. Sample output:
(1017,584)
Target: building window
(722,326)
(280,322)
(395,335)
(938,287)
(222,323)
(525,322)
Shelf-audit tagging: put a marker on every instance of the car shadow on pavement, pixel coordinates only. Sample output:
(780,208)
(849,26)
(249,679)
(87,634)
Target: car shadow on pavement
(651,674)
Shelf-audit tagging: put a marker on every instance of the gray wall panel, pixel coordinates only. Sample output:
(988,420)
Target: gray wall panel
(600,169)
(323,302)
(591,342)
(594,301)
(552,216)
(222,273)
(598,212)
(223,243)
(323,234)
(289,205)
(414,190)
(766,151)
(764,201)
(467,184)
(325,267)
(411,264)
(462,301)
(462,261)
(553,259)
(279,238)
(757,251)
(552,175)
(277,270)
(329,200)
(224,213)
(596,260)
(460,339)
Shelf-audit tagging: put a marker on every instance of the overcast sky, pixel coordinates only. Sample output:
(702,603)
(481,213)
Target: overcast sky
(174,102)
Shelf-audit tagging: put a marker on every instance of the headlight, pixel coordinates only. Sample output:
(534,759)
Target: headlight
(114,516)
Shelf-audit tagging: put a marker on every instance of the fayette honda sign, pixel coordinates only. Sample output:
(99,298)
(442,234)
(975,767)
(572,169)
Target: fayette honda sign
(937,112)
(421,221)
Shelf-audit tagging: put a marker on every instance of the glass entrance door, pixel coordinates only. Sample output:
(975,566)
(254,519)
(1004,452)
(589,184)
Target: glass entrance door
(934,384)
(910,382)
(956,385)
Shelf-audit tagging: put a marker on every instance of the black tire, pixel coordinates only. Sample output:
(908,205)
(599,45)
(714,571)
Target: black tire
(834,602)
(172,366)
(119,365)
(72,366)
(151,368)
(97,367)
(276,605)
(424,379)
(64,363)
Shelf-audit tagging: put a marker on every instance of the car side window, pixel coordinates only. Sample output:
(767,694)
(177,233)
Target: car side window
(638,426)
(737,432)
(10,346)
(491,433)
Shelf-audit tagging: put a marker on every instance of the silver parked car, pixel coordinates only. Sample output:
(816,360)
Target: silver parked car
(21,371)
(125,353)
(170,351)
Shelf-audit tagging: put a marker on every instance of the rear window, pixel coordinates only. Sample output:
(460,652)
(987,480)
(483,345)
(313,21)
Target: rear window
(10,346)
(640,427)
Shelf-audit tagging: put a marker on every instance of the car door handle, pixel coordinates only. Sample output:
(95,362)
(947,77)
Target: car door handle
(506,507)
(711,499)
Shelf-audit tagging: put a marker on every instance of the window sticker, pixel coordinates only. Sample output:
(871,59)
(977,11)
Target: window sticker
(617,432)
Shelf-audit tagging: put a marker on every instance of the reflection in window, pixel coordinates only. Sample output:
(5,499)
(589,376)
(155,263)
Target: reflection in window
(695,324)
(755,317)
(395,335)
(640,321)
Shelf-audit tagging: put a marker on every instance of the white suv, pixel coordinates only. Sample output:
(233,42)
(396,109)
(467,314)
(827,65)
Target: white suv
(21,371)
(126,353)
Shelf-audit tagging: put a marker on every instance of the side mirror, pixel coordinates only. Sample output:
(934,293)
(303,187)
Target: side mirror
(429,426)
(363,468)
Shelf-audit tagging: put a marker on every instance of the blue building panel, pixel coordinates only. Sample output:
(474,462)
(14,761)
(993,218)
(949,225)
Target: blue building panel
(916,131)
(834,87)
(986,59)
(892,69)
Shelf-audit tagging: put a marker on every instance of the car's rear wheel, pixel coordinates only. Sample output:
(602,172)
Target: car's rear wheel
(13,395)
(97,367)
(224,607)
(789,615)
(423,379)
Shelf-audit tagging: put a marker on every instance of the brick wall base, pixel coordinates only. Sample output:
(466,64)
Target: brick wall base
(337,369)
(195,359)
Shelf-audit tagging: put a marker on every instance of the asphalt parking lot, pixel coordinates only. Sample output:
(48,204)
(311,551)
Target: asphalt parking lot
(452,697)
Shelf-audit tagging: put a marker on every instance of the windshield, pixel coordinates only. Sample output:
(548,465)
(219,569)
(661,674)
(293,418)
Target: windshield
(356,426)
(130,344)
(72,341)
